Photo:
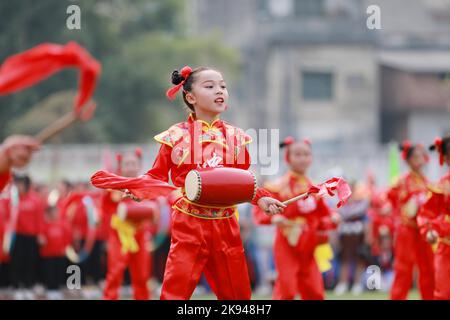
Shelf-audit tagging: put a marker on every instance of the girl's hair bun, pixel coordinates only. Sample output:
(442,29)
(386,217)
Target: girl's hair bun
(177,78)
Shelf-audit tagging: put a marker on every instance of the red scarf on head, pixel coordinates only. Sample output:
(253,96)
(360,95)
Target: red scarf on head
(438,144)
(172,92)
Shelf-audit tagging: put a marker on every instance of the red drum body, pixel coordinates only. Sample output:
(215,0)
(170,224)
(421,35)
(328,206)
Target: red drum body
(220,186)
(136,212)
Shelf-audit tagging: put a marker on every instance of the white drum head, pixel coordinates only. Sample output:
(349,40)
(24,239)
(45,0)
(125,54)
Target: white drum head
(192,185)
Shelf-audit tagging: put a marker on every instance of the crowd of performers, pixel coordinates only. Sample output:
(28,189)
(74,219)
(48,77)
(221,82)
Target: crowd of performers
(405,227)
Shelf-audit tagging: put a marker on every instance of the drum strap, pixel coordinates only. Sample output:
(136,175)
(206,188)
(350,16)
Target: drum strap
(204,212)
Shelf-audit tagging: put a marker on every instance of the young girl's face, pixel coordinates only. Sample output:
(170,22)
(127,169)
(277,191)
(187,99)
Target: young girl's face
(209,93)
(130,166)
(300,157)
(418,159)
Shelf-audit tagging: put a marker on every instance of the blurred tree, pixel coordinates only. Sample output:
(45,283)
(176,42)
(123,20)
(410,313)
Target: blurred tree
(138,45)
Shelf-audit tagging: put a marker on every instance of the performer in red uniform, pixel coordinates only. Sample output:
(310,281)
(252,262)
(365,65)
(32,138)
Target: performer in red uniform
(28,227)
(300,228)
(129,241)
(16,152)
(434,222)
(204,238)
(381,228)
(410,249)
(53,242)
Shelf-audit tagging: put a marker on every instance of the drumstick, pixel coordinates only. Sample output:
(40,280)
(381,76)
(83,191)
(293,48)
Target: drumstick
(56,127)
(64,122)
(299,197)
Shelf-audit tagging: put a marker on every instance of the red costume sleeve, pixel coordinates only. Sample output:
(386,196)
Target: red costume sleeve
(260,192)
(162,165)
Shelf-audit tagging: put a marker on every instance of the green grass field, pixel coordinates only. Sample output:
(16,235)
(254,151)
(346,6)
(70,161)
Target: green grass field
(368,295)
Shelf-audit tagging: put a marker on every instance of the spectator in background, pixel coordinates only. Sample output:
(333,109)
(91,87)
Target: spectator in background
(352,232)
(28,215)
(55,238)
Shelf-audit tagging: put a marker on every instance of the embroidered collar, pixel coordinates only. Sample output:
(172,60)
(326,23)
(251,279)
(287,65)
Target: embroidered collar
(216,124)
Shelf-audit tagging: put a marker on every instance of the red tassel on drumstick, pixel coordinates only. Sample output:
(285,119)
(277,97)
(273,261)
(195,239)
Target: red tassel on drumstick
(331,187)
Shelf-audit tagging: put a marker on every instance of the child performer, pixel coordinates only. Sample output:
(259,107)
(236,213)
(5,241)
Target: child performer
(410,249)
(434,222)
(204,238)
(128,243)
(55,238)
(300,228)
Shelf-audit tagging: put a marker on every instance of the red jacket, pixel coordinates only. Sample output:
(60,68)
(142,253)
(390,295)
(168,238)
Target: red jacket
(314,213)
(108,207)
(407,196)
(221,145)
(57,237)
(435,213)
(30,215)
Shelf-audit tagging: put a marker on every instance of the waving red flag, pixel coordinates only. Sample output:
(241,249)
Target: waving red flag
(332,187)
(25,69)
(142,187)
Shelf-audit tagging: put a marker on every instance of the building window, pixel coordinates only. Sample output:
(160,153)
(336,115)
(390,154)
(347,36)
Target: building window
(317,86)
(309,7)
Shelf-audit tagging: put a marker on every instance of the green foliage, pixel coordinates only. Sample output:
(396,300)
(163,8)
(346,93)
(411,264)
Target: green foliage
(139,43)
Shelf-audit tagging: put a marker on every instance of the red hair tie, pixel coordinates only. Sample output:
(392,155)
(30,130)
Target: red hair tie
(438,144)
(172,92)
(406,146)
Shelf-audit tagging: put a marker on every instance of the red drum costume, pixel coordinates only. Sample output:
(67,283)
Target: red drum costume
(435,215)
(295,245)
(204,238)
(410,249)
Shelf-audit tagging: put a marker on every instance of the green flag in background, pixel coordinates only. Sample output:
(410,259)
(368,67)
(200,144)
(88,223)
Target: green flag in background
(394,163)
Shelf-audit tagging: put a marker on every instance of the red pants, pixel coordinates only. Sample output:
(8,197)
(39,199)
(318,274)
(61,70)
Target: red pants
(442,272)
(297,269)
(410,250)
(212,246)
(138,264)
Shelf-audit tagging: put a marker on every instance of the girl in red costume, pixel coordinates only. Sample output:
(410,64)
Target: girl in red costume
(128,242)
(434,222)
(410,249)
(204,239)
(300,228)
